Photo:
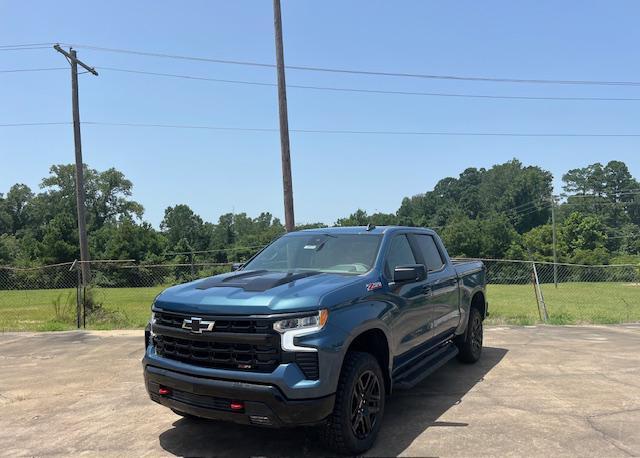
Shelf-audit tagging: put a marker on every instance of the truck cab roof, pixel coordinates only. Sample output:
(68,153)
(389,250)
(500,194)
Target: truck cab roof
(363,230)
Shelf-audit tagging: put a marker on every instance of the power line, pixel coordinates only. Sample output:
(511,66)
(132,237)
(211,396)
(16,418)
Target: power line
(623,236)
(25,48)
(370,91)
(27,45)
(362,132)
(361,72)
(526,204)
(624,192)
(27,124)
(343,89)
(331,131)
(20,70)
(529,211)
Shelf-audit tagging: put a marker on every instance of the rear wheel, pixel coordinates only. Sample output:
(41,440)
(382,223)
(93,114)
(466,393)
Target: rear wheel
(354,424)
(470,343)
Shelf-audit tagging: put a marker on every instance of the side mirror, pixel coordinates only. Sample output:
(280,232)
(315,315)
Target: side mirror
(414,272)
(236,266)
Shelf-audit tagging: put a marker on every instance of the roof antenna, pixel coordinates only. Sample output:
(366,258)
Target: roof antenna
(370,227)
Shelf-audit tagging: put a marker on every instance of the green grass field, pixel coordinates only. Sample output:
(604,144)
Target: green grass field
(122,308)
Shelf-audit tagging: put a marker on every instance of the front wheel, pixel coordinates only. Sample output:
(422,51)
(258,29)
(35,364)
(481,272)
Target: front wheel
(354,424)
(470,343)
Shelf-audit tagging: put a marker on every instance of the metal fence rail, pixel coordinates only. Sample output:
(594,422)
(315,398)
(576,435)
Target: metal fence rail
(120,293)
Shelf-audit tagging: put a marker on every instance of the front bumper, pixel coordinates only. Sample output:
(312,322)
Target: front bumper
(211,398)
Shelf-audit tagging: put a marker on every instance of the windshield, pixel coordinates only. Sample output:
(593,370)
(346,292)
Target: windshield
(339,253)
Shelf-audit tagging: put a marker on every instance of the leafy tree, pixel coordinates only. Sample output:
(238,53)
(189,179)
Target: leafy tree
(9,249)
(583,234)
(6,222)
(537,244)
(479,238)
(107,195)
(180,222)
(510,189)
(60,240)
(128,240)
(358,218)
(16,205)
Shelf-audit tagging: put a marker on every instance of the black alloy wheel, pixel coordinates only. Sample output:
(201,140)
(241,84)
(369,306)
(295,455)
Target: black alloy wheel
(365,404)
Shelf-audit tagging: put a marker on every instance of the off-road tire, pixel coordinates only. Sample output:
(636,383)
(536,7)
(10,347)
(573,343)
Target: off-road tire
(470,343)
(338,431)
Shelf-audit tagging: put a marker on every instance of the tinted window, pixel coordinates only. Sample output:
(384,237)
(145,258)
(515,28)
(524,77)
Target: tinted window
(400,254)
(429,252)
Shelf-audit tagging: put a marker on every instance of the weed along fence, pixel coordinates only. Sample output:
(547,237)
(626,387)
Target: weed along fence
(120,293)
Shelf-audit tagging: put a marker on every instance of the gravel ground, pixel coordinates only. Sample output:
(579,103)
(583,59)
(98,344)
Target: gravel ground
(538,391)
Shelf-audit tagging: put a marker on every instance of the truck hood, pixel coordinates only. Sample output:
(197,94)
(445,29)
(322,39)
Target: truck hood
(253,292)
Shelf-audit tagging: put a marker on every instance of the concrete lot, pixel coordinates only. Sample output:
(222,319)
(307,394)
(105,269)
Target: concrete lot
(537,391)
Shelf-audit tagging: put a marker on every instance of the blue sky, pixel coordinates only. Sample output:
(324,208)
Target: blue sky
(216,172)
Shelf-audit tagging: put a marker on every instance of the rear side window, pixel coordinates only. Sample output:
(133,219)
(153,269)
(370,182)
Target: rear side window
(400,254)
(430,252)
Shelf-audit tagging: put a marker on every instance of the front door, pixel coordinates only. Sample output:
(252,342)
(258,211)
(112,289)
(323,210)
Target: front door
(442,286)
(411,326)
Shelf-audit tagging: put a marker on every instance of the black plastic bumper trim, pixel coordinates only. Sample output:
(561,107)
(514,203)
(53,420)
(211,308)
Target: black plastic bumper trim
(260,400)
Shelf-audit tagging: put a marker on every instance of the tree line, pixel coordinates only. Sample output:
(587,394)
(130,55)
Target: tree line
(501,212)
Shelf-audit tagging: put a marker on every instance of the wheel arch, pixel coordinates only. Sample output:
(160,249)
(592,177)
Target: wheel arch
(374,341)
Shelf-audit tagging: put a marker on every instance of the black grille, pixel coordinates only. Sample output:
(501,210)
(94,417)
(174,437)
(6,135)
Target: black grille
(174,320)
(237,356)
(308,363)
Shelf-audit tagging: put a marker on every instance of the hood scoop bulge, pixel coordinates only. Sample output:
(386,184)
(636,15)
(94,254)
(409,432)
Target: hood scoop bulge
(254,280)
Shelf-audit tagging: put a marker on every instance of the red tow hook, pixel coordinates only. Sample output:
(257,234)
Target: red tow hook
(237,405)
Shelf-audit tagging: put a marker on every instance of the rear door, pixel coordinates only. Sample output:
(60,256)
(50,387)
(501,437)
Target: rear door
(442,286)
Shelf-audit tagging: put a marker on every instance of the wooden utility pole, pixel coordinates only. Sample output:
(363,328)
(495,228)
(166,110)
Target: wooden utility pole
(80,195)
(287,186)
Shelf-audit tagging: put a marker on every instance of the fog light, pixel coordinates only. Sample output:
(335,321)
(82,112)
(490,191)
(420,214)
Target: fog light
(164,391)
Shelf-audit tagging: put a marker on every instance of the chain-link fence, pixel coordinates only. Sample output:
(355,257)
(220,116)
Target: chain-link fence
(118,296)
(525,292)
(120,293)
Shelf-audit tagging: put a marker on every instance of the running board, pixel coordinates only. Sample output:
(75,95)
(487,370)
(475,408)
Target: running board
(426,367)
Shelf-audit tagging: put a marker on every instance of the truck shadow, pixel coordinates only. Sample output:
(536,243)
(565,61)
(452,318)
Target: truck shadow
(408,415)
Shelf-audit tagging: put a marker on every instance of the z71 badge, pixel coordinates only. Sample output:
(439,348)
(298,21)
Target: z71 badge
(373,286)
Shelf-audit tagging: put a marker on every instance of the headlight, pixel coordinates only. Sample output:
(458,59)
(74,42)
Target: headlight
(314,321)
(300,326)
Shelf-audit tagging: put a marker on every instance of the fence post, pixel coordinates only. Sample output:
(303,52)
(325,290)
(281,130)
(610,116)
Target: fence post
(193,270)
(545,315)
(535,290)
(84,305)
(78,286)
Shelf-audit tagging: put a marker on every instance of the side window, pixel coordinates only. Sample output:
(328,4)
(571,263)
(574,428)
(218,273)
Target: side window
(400,254)
(429,252)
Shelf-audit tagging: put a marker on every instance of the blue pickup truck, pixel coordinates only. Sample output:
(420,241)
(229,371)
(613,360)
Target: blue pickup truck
(316,329)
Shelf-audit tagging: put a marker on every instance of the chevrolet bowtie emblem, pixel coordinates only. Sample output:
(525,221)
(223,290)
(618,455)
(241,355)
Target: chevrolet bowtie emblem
(198,325)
